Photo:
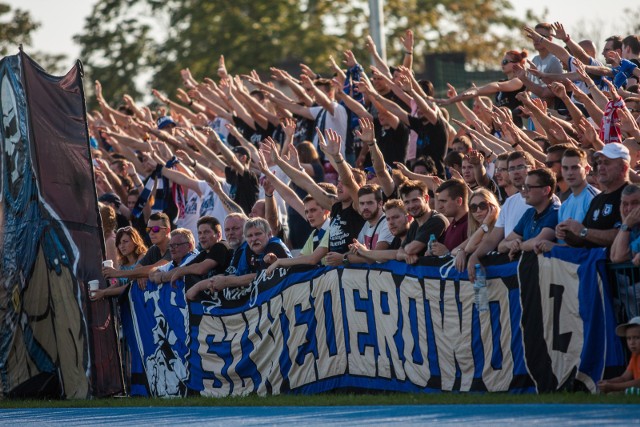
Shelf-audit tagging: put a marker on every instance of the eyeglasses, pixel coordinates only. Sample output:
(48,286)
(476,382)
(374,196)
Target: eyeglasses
(528,187)
(155,229)
(177,245)
(506,61)
(482,206)
(500,170)
(634,110)
(518,168)
(550,163)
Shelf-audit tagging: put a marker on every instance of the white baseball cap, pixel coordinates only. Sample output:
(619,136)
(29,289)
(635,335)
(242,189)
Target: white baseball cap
(621,330)
(615,150)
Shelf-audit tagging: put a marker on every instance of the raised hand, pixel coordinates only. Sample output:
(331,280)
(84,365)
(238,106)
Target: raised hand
(367,130)
(349,59)
(451,91)
(222,68)
(558,90)
(288,126)
(160,96)
(559,31)
(371,46)
(307,71)
(331,145)
(407,41)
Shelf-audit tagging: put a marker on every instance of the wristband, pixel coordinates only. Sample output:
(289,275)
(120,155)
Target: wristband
(408,52)
(338,162)
(194,163)
(345,259)
(268,195)
(190,102)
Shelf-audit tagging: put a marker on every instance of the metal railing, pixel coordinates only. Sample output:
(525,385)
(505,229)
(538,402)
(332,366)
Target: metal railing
(625,289)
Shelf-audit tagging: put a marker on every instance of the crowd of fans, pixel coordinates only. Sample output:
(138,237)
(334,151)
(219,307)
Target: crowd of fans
(365,166)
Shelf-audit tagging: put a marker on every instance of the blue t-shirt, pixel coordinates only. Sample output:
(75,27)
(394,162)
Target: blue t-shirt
(532,222)
(576,207)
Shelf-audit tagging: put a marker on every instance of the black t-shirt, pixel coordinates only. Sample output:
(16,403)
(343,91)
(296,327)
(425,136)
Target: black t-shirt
(221,253)
(255,136)
(244,187)
(154,255)
(392,142)
(432,140)
(345,226)
(436,225)
(604,211)
(396,243)
(508,99)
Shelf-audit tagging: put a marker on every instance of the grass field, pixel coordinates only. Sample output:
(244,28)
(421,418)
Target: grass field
(334,399)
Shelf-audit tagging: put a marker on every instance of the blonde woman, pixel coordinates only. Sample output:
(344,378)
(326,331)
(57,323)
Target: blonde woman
(483,213)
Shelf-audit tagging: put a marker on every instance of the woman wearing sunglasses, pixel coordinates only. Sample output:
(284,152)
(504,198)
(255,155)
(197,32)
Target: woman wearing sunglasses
(483,213)
(505,90)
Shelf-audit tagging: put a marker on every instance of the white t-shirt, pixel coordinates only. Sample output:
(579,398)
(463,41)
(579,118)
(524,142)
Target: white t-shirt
(512,210)
(370,235)
(548,64)
(338,122)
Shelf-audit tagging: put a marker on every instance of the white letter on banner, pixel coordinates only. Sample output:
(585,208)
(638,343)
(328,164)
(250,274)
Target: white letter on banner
(559,286)
(211,328)
(266,347)
(494,378)
(446,328)
(354,284)
(336,364)
(411,295)
(296,299)
(382,286)
(236,328)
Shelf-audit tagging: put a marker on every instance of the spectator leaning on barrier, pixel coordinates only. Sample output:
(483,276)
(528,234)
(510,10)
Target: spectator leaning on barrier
(452,202)
(317,244)
(426,221)
(538,222)
(213,259)
(182,247)
(601,222)
(519,163)
(626,245)
(398,222)
(159,229)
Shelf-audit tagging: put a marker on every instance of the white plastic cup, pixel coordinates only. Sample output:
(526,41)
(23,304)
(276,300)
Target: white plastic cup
(107,263)
(94,285)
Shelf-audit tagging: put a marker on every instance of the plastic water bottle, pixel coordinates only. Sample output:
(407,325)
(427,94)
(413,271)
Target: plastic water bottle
(432,239)
(480,289)
(632,391)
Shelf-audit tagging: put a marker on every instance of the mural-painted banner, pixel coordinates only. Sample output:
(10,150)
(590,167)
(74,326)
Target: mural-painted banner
(52,343)
(392,327)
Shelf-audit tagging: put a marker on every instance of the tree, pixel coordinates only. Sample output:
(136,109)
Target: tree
(15,29)
(117,45)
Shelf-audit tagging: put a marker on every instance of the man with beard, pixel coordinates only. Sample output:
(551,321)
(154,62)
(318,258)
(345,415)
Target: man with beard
(398,222)
(375,232)
(427,221)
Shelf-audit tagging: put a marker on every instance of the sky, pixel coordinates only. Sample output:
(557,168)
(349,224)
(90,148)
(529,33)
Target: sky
(62,19)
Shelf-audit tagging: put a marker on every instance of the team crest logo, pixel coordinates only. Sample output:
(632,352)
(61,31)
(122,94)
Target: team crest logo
(596,214)
(607,210)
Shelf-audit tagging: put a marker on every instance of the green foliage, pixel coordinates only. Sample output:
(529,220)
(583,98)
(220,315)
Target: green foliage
(117,43)
(15,29)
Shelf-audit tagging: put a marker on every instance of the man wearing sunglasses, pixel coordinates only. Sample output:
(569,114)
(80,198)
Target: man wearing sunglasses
(159,230)
(182,247)
(539,222)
